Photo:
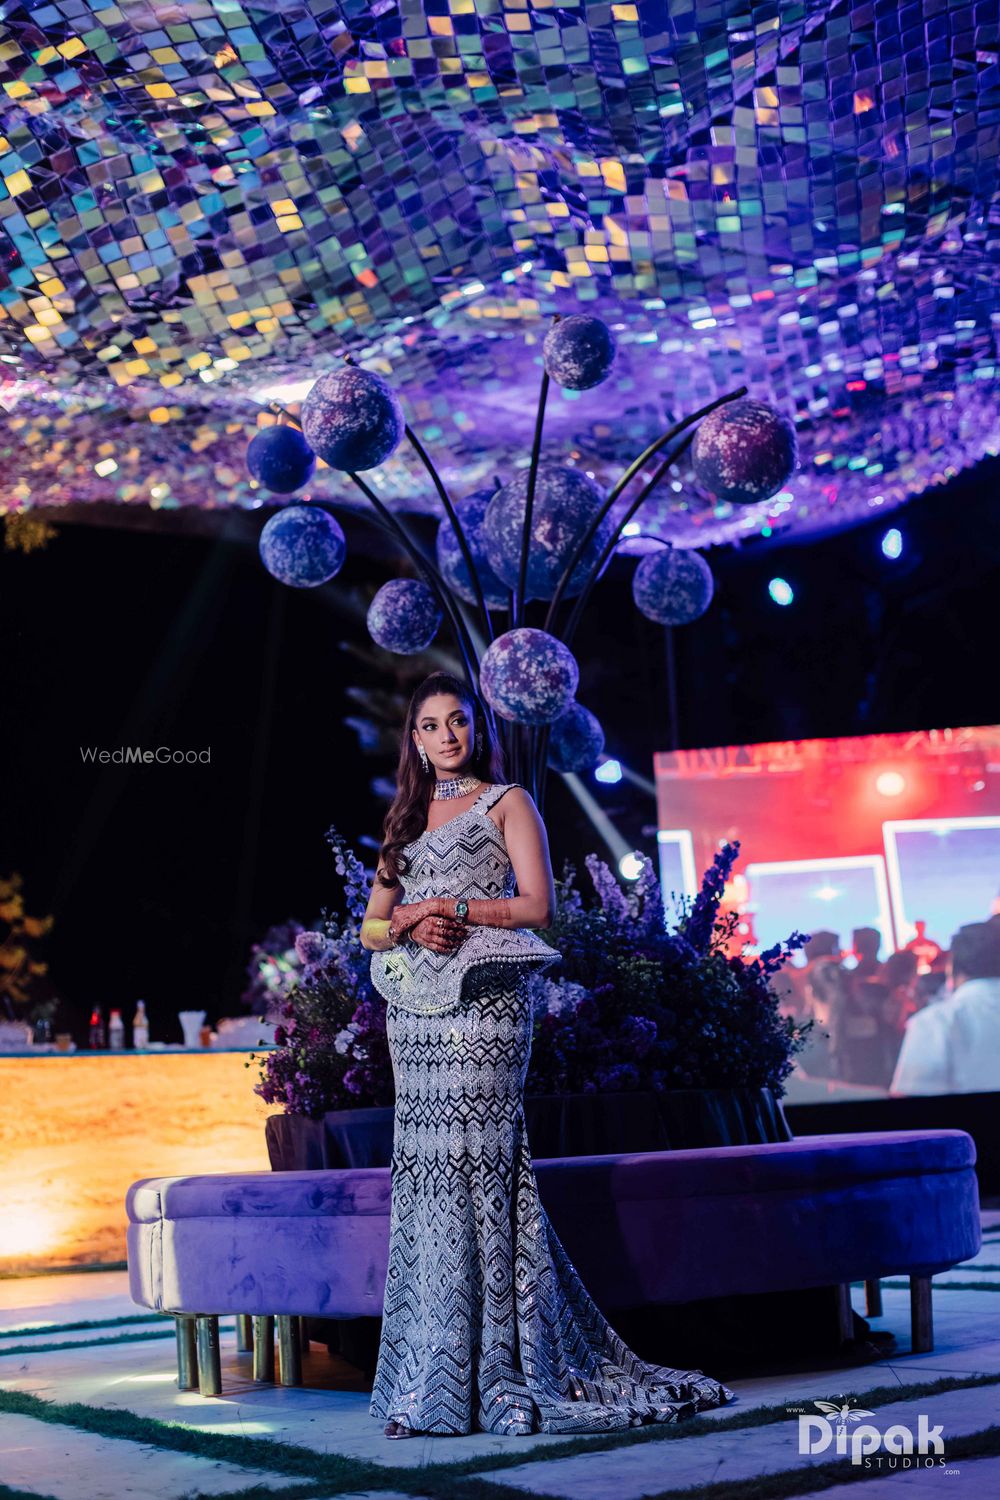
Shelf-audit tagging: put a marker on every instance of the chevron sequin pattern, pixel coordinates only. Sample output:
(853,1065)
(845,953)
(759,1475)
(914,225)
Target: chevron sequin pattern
(464,856)
(487,1325)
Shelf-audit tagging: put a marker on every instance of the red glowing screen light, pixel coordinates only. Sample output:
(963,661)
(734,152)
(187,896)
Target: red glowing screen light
(869,830)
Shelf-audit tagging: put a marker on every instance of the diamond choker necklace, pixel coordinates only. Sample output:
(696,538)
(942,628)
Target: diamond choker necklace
(456,786)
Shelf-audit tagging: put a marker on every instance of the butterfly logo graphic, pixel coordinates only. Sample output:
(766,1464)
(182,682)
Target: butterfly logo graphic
(843,1414)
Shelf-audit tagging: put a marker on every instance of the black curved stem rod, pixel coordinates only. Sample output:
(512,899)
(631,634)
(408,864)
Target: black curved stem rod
(644,493)
(529,501)
(431,577)
(615,491)
(456,526)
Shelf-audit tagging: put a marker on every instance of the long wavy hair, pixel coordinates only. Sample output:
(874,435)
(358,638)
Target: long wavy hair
(406,818)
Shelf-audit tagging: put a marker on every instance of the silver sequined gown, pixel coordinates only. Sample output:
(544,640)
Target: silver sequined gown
(486,1324)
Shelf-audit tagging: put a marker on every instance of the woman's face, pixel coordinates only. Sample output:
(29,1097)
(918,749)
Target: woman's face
(445,729)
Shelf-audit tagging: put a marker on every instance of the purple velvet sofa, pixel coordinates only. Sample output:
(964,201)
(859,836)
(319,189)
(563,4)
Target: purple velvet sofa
(653,1228)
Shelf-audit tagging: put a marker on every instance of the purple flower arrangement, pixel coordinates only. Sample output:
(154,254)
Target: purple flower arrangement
(330,1050)
(273,969)
(634,1004)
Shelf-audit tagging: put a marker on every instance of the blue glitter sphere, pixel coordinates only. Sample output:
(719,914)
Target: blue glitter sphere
(579,351)
(281,459)
(744,451)
(352,419)
(673,587)
(451,563)
(302,545)
(528,676)
(404,616)
(576,740)
(565,504)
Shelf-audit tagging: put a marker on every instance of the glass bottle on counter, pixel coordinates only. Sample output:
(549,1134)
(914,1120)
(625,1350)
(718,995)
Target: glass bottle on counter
(116,1031)
(140,1026)
(97,1029)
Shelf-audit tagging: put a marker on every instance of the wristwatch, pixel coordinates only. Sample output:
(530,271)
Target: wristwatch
(461,908)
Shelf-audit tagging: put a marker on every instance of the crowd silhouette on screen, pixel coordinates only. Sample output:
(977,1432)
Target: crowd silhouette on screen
(924,1020)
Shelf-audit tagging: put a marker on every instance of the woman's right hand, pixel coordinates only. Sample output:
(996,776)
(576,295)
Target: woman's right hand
(404,918)
(439,934)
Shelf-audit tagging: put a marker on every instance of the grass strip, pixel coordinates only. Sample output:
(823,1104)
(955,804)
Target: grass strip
(451,1483)
(121,1338)
(271,1454)
(331,1474)
(26,1331)
(960,1267)
(971,1268)
(260,1491)
(951,1286)
(37,1275)
(806,1479)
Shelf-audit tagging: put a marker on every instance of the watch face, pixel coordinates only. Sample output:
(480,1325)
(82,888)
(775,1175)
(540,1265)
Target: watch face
(462,908)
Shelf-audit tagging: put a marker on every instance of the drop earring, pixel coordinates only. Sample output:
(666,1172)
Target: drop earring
(423,756)
(479,744)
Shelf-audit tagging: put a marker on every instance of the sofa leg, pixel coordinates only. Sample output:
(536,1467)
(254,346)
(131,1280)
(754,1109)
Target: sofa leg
(921,1315)
(845,1313)
(209,1367)
(289,1351)
(187,1352)
(263,1349)
(244,1333)
(873,1299)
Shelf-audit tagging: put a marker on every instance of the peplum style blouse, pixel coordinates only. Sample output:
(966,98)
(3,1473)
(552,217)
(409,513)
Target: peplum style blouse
(465,857)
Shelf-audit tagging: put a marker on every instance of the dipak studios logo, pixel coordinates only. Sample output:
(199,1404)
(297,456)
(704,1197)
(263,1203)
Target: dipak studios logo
(841,1430)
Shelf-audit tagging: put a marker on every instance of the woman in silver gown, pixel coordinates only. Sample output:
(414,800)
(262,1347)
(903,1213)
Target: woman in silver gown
(486,1325)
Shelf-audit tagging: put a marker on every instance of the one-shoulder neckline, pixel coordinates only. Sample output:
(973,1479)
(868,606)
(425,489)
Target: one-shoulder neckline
(463,814)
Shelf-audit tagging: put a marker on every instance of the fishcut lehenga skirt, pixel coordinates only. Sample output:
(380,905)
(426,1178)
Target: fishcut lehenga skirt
(487,1325)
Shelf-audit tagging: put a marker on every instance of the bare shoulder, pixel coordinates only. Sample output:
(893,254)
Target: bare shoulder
(518,796)
(516,804)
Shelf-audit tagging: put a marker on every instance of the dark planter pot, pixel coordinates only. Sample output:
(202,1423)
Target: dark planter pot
(594,1124)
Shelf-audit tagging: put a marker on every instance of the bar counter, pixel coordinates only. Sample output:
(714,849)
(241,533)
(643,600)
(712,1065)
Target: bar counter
(76,1129)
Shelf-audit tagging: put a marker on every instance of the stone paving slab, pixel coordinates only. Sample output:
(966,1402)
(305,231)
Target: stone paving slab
(730,1457)
(966,1343)
(965,1321)
(65,1298)
(973,1476)
(48,1330)
(141,1378)
(41,1335)
(327,1418)
(962,1275)
(68,1464)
